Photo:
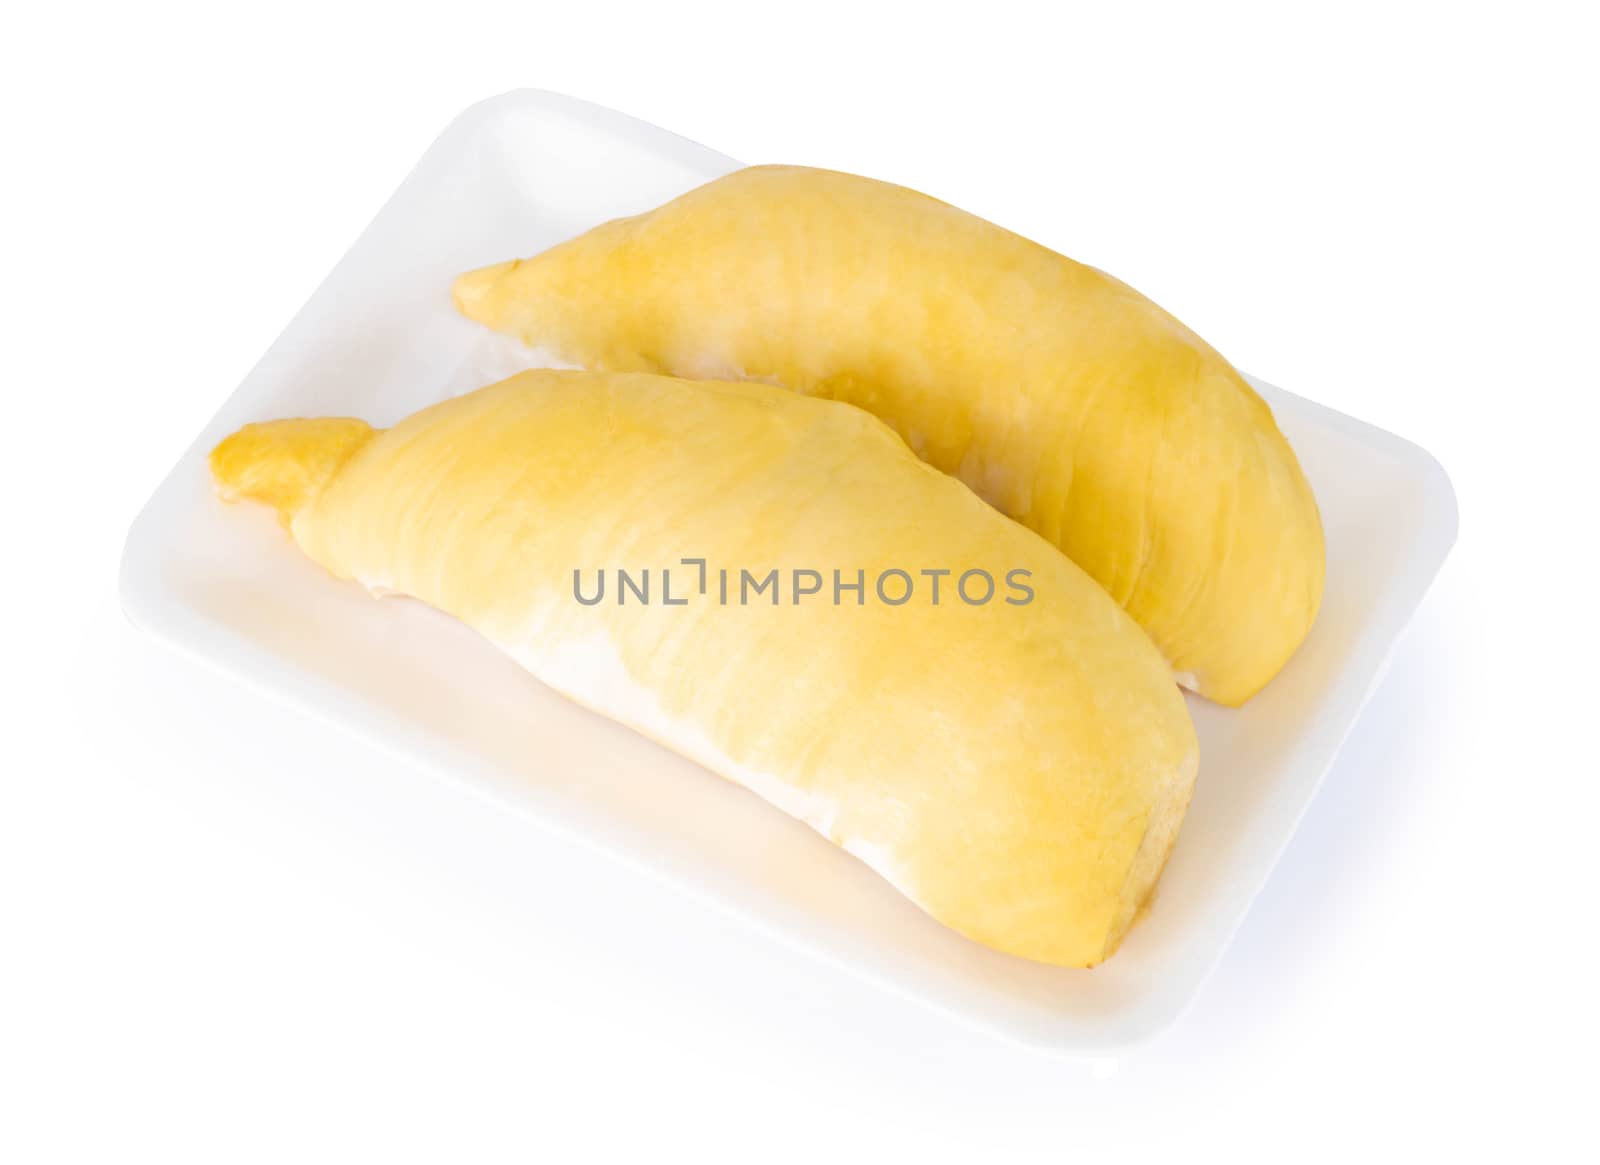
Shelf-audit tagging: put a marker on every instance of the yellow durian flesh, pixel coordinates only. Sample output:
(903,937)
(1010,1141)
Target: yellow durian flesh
(1019,771)
(1062,396)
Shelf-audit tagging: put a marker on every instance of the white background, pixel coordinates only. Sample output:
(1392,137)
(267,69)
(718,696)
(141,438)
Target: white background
(229,934)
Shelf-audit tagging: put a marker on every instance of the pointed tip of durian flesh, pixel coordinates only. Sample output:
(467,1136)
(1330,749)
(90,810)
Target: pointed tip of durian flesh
(472,292)
(285,464)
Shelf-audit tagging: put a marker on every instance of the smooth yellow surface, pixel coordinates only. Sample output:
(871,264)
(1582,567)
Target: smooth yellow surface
(1020,771)
(1059,394)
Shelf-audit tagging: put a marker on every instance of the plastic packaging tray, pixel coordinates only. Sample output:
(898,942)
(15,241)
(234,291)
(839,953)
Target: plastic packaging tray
(380,339)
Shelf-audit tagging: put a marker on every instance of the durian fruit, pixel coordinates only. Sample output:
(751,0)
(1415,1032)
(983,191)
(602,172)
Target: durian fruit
(1062,396)
(1014,757)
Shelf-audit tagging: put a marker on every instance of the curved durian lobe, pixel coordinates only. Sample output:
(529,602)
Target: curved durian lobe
(1019,771)
(1063,397)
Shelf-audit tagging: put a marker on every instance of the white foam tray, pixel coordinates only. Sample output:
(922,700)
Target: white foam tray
(379,339)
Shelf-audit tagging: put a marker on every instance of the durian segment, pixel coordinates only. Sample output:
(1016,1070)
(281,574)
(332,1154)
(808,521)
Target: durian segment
(1017,769)
(1062,396)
